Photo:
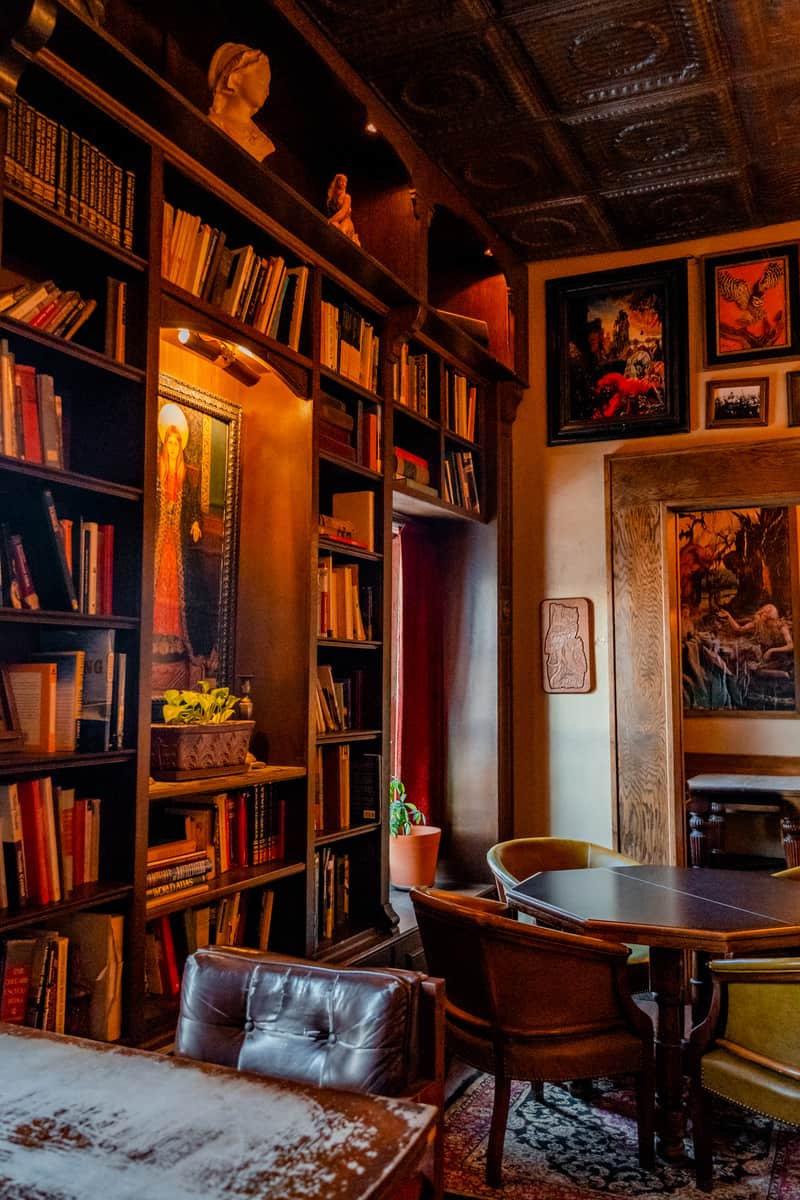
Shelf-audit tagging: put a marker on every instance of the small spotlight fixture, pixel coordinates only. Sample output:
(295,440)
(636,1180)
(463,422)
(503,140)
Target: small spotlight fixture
(371,127)
(488,252)
(238,361)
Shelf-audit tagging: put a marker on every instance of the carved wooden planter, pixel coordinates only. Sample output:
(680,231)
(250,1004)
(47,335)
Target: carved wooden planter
(198,751)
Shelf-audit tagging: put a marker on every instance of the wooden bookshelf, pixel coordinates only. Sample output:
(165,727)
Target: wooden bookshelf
(138,99)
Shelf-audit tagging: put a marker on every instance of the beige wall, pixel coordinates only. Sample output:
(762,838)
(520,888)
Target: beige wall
(563,757)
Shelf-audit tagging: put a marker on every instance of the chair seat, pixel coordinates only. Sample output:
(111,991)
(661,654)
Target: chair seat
(755,1087)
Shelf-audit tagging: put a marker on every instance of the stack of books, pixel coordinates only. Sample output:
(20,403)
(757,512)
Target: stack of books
(31,416)
(458,480)
(332,890)
(176,867)
(460,401)
(336,426)
(350,344)
(47,307)
(410,381)
(50,841)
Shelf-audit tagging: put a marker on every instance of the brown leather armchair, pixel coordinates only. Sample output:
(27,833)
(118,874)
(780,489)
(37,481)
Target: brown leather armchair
(361,1030)
(525,1002)
(520,858)
(747,1048)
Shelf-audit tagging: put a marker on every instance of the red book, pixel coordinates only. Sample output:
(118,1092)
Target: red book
(409,457)
(79,843)
(33,838)
(25,381)
(173,979)
(105,569)
(241,829)
(15,973)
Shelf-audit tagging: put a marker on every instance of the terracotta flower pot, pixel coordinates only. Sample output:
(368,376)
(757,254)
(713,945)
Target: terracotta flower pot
(412,857)
(199,751)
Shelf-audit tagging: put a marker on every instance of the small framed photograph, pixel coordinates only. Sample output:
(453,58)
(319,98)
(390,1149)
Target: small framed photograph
(752,305)
(793,397)
(732,402)
(616,353)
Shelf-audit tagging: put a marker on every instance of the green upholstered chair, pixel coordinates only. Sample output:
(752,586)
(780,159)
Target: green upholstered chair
(520,858)
(747,1049)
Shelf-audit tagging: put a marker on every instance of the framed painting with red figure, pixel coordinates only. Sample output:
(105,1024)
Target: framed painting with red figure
(616,353)
(752,305)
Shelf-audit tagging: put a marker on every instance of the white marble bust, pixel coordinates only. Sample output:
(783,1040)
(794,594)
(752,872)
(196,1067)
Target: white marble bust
(239,78)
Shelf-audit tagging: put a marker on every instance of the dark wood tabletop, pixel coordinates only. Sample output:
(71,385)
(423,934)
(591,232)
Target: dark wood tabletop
(85,1121)
(679,907)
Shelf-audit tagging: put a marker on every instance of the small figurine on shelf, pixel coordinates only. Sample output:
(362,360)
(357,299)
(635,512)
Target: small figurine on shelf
(245,700)
(239,78)
(339,208)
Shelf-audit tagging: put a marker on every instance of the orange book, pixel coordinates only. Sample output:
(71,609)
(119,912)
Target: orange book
(34,688)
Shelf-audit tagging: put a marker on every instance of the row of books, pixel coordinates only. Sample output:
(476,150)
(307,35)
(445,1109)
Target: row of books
(69,695)
(61,564)
(177,866)
(260,291)
(68,173)
(410,376)
(240,919)
(31,413)
(346,609)
(339,699)
(460,402)
(244,828)
(353,435)
(350,344)
(459,485)
(51,842)
(346,788)
(331,891)
(47,307)
(65,976)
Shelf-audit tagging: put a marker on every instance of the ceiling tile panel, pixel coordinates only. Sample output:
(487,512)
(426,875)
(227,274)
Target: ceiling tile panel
(686,208)
(589,53)
(555,229)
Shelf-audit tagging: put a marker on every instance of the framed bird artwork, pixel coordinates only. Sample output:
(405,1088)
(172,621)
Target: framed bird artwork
(752,305)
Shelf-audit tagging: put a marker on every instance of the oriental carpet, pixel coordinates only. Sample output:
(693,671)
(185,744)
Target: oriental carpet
(566,1148)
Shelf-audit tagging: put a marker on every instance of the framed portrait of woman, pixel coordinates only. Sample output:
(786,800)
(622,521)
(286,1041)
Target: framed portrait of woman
(196,537)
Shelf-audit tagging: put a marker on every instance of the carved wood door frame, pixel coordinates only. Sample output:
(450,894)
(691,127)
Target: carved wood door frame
(642,493)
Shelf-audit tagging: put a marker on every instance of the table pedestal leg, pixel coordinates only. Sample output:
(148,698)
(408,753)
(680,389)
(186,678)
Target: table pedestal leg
(666,976)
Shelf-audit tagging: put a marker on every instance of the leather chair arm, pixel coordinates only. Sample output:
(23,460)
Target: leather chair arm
(753,1010)
(734,970)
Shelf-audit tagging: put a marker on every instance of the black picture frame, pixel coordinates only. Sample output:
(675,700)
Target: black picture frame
(617,363)
(197,546)
(751,300)
(793,397)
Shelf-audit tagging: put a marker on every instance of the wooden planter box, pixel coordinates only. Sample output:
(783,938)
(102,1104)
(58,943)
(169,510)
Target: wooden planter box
(199,751)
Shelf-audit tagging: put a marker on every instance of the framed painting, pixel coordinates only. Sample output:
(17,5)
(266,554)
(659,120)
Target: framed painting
(732,402)
(566,628)
(196,538)
(738,596)
(793,397)
(616,353)
(751,305)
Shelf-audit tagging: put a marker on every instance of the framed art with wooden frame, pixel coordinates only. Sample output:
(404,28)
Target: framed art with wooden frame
(11,737)
(616,353)
(197,537)
(752,305)
(793,397)
(731,402)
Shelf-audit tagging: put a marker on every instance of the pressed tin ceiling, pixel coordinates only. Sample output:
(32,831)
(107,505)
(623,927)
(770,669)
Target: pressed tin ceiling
(586,125)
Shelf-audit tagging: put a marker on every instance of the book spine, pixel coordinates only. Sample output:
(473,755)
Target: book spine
(22,573)
(57,542)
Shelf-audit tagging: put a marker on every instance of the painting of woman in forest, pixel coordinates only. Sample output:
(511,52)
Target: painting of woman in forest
(736,579)
(195,537)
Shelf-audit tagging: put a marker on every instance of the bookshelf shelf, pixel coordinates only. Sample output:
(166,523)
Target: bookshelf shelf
(31,764)
(84,483)
(330,546)
(39,616)
(348,735)
(412,504)
(71,350)
(326,838)
(221,783)
(90,895)
(132,261)
(347,644)
(342,381)
(351,468)
(237,880)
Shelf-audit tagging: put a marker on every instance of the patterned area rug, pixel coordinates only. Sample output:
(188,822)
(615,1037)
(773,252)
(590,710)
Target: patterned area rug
(571,1149)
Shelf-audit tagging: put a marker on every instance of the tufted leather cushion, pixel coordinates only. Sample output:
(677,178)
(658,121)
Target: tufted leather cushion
(352,1029)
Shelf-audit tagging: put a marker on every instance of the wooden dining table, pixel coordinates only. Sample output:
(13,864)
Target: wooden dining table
(87,1121)
(672,910)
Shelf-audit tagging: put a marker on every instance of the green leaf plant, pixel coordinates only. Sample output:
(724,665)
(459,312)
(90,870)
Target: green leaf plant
(209,706)
(402,813)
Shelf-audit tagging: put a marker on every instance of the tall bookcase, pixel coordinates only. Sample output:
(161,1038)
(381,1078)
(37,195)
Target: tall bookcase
(320,432)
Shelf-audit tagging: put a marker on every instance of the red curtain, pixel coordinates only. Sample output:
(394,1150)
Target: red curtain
(421,671)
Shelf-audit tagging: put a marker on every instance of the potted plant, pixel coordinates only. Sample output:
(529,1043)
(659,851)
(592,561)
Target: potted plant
(199,737)
(413,844)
